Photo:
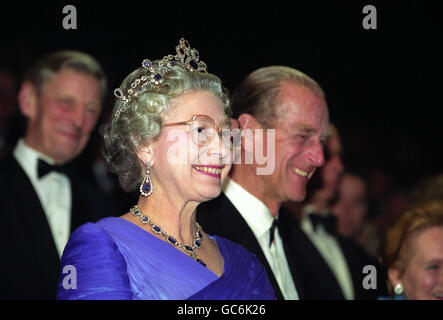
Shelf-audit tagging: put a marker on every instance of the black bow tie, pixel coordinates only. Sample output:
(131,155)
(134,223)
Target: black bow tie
(272,231)
(45,168)
(327,221)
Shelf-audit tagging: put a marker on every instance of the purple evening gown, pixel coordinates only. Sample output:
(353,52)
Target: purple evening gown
(116,259)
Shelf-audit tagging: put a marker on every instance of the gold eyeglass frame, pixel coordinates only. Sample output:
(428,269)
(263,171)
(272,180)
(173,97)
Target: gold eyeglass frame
(216,126)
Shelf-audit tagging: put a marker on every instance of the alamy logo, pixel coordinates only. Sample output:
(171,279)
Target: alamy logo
(370,280)
(370,20)
(258,145)
(70,280)
(70,20)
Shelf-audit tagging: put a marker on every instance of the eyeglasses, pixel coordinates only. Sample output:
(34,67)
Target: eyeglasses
(203,129)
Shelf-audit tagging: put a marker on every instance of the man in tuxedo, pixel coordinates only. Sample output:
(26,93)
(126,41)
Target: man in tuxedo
(330,266)
(41,203)
(283,114)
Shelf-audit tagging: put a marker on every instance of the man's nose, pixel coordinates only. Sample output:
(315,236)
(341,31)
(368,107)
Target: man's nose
(316,155)
(78,115)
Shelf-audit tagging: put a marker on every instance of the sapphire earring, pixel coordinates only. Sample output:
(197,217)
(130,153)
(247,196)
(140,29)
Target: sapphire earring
(146,187)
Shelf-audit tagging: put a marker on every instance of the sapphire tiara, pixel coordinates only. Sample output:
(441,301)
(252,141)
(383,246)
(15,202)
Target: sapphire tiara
(185,56)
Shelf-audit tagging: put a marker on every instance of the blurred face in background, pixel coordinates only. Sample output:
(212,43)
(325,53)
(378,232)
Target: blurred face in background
(351,205)
(61,116)
(323,187)
(333,168)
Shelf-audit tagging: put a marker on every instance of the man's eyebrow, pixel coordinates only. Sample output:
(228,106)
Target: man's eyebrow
(304,128)
(308,129)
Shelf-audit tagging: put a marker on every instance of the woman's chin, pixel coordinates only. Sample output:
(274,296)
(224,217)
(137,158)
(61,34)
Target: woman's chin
(209,194)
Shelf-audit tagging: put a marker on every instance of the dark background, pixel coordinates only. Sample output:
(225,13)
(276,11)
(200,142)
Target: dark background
(383,86)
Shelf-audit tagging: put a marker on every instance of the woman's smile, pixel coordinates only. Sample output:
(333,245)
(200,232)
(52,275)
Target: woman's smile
(210,170)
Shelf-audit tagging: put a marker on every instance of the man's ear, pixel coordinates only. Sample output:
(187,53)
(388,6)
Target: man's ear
(146,154)
(27,100)
(247,121)
(248,124)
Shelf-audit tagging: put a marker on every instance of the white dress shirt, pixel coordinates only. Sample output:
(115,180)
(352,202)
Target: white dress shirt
(53,191)
(330,250)
(259,219)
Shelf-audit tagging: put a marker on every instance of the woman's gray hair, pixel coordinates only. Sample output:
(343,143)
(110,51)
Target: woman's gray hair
(141,120)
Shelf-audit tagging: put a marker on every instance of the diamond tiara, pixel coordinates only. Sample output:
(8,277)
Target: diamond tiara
(185,57)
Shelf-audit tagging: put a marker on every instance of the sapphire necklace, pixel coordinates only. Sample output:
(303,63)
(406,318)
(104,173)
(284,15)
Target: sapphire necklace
(189,249)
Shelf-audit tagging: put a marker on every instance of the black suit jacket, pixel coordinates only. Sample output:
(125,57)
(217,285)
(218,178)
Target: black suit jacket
(220,217)
(312,276)
(30,265)
(317,278)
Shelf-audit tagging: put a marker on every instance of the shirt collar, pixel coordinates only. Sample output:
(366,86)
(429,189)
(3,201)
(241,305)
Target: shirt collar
(256,213)
(27,157)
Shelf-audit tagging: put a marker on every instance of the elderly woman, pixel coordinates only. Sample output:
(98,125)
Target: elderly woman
(170,137)
(413,253)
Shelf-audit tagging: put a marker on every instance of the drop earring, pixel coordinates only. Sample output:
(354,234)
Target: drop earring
(146,187)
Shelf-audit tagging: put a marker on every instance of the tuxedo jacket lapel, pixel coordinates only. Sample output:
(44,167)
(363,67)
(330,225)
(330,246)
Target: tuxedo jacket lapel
(29,218)
(313,273)
(284,227)
(28,246)
(220,217)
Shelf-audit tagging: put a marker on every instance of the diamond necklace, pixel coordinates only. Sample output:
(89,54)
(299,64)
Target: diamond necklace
(189,249)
